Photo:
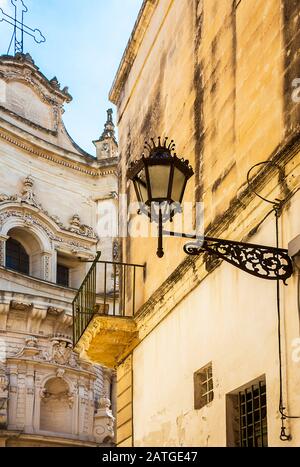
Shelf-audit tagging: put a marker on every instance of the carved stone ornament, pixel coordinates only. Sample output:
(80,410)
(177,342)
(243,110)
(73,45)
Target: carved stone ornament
(30,349)
(3,399)
(61,352)
(63,396)
(55,311)
(104,422)
(79,228)
(60,372)
(3,385)
(31,341)
(19,306)
(115,250)
(28,197)
(104,403)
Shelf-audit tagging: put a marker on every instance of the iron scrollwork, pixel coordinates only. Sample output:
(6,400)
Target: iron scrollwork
(260,261)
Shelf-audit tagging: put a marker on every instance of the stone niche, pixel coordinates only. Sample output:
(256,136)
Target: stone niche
(56,406)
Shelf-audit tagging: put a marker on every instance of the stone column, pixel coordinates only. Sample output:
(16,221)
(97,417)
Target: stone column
(3,239)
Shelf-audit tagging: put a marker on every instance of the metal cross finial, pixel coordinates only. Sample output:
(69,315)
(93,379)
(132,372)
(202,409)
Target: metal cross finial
(19,27)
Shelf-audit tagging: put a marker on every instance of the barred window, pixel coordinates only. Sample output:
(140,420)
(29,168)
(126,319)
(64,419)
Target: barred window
(253,416)
(246,415)
(203,387)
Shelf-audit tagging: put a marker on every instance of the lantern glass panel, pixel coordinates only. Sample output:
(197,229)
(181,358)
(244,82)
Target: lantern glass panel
(178,184)
(159,176)
(141,187)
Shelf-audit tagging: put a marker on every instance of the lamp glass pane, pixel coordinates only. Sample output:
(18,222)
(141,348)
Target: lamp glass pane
(140,183)
(178,184)
(159,180)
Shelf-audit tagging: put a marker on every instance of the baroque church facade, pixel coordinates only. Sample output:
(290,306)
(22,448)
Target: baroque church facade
(52,194)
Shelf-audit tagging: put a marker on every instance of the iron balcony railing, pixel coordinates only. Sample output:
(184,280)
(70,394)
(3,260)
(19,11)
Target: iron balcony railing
(109,288)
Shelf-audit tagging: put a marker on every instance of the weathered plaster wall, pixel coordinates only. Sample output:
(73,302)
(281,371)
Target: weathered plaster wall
(210,75)
(230,319)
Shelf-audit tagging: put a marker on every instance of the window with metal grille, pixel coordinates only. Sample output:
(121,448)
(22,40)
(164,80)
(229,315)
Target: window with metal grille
(246,415)
(16,256)
(62,275)
(253,416)
(203,386)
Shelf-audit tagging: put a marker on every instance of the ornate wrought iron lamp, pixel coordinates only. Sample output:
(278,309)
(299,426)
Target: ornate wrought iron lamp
(160,181)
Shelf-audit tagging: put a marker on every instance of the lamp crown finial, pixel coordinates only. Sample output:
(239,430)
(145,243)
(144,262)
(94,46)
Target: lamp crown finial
(157,146)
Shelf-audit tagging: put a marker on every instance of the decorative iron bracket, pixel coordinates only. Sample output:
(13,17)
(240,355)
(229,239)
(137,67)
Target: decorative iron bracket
(261,261)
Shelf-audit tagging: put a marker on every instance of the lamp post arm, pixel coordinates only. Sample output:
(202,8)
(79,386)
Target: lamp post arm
(261,261)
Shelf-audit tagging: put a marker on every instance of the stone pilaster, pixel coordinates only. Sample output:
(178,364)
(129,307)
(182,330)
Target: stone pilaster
(3,239)
(37,404)
(4,310)
(29,399)
(107,374)
(3,399)
(13,397)
(47,266)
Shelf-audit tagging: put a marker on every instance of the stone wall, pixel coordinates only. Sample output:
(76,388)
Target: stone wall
(218,77)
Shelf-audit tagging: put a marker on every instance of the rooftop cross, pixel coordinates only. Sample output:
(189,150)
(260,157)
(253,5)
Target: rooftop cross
(17,21)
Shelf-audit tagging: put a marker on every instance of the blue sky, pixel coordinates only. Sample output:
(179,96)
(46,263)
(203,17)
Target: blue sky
(85,43)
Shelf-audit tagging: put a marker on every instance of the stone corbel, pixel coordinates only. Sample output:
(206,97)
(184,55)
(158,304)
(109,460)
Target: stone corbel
(34,319)
(63,323)
(21,306)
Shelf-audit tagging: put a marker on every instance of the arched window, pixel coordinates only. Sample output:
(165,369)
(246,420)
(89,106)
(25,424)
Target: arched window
(16,256)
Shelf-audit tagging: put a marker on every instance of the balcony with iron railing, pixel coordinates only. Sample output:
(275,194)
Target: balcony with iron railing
(104,328)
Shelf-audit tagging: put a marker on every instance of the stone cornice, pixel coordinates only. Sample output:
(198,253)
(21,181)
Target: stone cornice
(132,48)
(50,156)
(38,286)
